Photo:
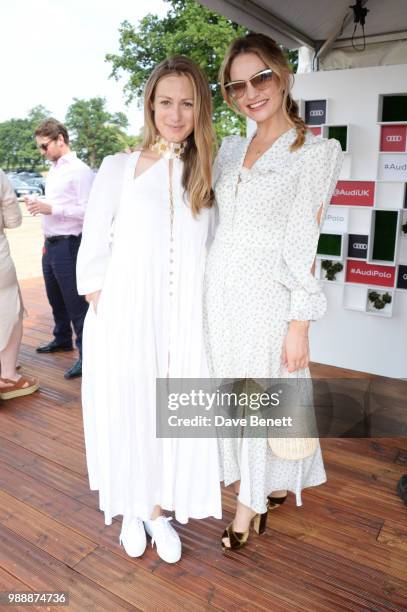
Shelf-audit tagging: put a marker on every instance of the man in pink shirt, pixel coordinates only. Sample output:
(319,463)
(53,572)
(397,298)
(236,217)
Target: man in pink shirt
(67,190)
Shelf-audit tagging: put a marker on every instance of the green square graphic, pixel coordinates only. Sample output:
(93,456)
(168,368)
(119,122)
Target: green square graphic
(385,231)
(330,244)
(340,132)
(394,108)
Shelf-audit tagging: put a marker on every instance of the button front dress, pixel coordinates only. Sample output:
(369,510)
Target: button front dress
(148,324)
(258,278)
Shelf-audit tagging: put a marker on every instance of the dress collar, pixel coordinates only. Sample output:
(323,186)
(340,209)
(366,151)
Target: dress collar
(65,159)
(279,156)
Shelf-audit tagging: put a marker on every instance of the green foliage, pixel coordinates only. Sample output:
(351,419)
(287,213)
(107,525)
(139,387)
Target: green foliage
(94,131)
(188,29)
(378,300)
(331,269)
(17,144)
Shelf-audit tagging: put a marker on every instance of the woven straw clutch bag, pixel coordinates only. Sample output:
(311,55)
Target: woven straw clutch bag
(293,448)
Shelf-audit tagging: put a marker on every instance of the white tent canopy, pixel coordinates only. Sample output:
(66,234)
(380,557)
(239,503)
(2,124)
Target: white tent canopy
(319,25)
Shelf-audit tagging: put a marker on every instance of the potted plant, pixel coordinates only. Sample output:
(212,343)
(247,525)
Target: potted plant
(331,269)
(378,300)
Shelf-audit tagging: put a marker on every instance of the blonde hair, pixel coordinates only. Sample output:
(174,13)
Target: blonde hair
(273,57)
(198,153)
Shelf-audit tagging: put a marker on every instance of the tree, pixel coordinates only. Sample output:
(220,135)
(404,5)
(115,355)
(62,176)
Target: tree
(188,29)
(94,131)
(17,144)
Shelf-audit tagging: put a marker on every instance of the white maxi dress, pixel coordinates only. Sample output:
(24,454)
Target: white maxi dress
(148,324)
(258,278)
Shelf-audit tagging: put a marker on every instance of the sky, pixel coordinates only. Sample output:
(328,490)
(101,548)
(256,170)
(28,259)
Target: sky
(53,51)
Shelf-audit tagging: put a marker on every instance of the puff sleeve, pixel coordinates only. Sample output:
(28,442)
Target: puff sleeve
(319,173)
(10,208)
(94,252)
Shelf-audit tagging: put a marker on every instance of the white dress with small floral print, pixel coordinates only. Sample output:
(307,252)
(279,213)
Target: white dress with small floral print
(258,278)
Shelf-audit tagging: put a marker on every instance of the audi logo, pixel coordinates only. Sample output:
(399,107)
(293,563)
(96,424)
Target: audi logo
(316,113)
(404,276)
(393,138)
(360,246)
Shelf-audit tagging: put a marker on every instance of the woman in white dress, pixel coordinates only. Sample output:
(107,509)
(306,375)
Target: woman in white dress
(272,190)
(141,264)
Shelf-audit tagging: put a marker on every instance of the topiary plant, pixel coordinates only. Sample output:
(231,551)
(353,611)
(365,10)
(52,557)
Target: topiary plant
(379,301)
(331,268)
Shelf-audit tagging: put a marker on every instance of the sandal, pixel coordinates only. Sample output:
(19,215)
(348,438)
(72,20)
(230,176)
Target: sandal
(275,502)
(25,385)
(239,539)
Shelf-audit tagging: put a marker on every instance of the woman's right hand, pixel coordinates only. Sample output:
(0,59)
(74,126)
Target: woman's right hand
(93,298)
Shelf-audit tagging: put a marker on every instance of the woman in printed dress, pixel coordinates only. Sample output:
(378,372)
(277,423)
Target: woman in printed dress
(272,190)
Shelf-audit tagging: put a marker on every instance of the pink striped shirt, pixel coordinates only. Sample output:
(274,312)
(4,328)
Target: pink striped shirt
(67,189)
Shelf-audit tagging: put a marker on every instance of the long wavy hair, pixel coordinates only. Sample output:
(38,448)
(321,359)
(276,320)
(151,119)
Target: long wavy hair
(270,53)
(199,150)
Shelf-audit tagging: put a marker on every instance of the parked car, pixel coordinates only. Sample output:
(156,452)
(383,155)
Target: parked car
(27,173)
(21,188)
(35,181)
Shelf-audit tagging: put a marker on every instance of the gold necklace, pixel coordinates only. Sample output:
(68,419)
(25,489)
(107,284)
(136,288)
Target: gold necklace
(168,150)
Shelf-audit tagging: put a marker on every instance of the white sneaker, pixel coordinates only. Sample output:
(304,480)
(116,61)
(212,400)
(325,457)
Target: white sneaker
(133,537)
(166,538)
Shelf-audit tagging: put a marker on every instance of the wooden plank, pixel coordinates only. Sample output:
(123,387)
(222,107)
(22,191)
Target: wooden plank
(47,534)
(63,508)
(90,523)
(8,582)
(344,556)
(320,574)
(384,449)
(116,574)
(46,472)
(43,445)
(394,535)
(42,572)
(69,435)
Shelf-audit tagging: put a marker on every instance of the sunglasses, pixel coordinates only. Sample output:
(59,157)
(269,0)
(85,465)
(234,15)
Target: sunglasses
(44,146)
(260,80)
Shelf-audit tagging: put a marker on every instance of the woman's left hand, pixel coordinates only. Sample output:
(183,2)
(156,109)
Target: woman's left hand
(296,347)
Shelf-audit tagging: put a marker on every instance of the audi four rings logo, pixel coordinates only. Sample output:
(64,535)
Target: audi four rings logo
(404,276)
(394,138)
(360,245)
(316,113)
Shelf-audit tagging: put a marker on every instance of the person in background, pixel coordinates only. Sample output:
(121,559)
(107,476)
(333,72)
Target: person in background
(67,189)
(12,384)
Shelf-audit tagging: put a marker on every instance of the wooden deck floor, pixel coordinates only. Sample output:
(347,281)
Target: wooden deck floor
(344,549)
